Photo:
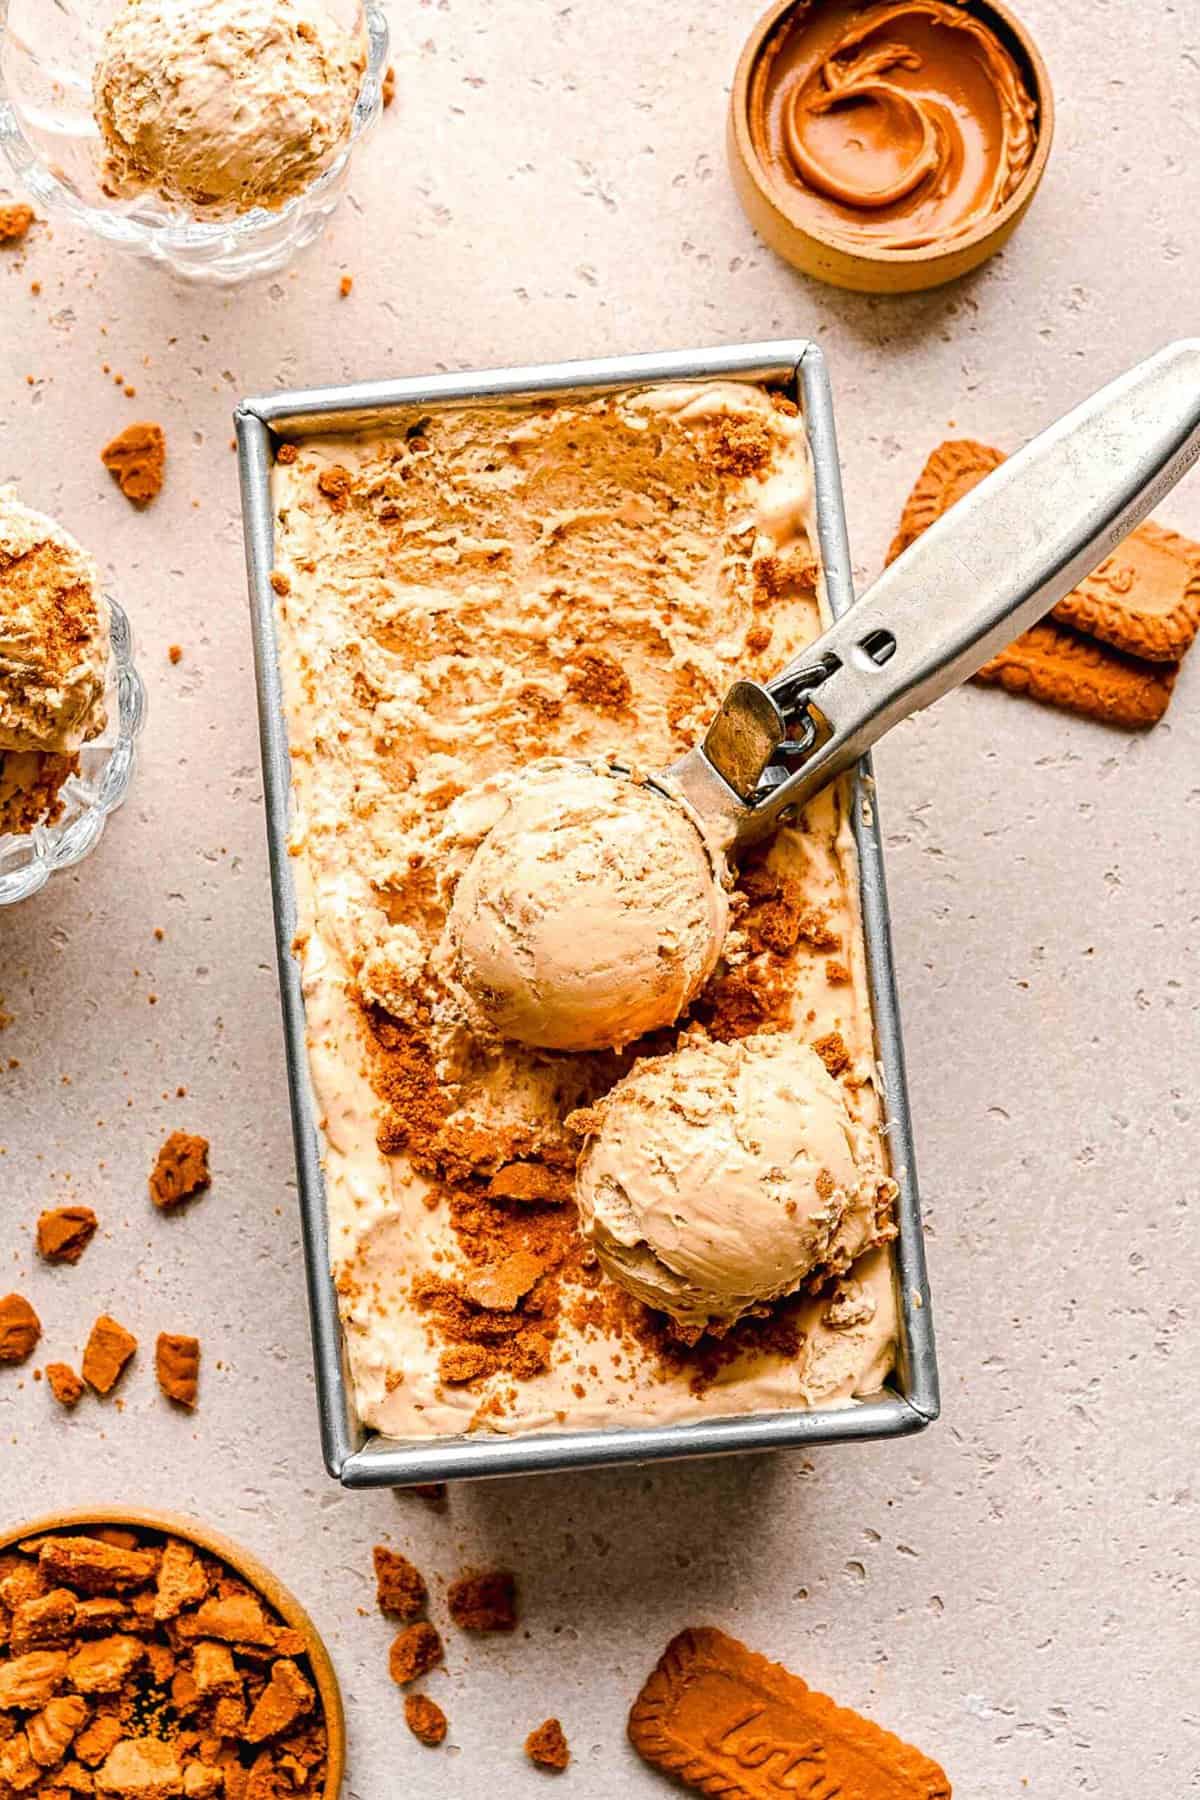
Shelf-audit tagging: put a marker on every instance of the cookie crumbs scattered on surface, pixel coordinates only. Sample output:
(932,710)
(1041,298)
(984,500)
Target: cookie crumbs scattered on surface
(836,973)
(389,85)
(175,653)
(346,286)
(109,1349)
(425,1719)
(181,1170)
(400,1589)
(137,459)
(281,583)
(20,1329)
(64,1233)
(64,1384)
(414,1651)
(547,1747)
(484,1600)
(14,223)
(287,453)
(177,1366)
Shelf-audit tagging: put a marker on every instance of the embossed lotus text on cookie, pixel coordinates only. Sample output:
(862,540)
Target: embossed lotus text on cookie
(731,1724)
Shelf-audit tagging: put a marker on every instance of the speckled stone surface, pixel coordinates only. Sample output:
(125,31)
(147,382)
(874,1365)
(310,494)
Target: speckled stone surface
(1017,1589)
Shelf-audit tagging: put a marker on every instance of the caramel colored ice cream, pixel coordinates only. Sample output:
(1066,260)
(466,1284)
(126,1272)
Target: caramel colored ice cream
(594,911)
(723,1175)
(54,653)
(474,591)
(224,105)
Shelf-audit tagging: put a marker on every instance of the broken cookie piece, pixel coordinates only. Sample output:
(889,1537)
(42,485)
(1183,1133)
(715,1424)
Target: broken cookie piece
(484,1601)
(400,1589)
(136,459)
(415,1651)
(547,1747)
(142,1766)
(64,1233)
(177,1365)
(285,1699)
(20,1329)
(425,1719)
(109,1349)
(181,1170)
(64,1384)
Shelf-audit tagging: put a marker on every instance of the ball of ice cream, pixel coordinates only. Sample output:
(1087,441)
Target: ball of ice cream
(54,635)
(222,105)
(592,912)
(724,1175)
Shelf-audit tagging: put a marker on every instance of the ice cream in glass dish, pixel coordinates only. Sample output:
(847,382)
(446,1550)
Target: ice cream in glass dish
(212,135)
(70,701)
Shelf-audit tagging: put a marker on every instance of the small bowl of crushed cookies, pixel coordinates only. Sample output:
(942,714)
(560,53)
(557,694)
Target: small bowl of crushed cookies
(142,1654)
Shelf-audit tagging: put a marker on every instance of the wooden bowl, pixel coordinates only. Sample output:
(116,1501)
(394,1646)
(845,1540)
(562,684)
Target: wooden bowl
(862,268)
(242,1563)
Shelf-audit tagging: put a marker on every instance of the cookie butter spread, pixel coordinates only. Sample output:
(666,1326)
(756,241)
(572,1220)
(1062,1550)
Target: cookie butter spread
(891,126)
(477,590)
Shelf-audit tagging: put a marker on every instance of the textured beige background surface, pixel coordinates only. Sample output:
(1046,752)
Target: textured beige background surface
(1018,1588)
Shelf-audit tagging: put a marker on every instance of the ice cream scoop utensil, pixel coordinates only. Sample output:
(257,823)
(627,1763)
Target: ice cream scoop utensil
(995,564)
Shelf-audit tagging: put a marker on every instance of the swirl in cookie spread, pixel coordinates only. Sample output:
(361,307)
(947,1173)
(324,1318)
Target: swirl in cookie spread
(891,126)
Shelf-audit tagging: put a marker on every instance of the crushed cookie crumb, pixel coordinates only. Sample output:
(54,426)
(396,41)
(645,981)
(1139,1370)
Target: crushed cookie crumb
(547,1747)
(137,460)
(287,453)
(484,1600)
(833,1052)
(64,1384)
(388,88)
(425,1719)
(400,1589)
(64,1233)
(599,680)
(15,222)
(414,1651)
(177,1367)
(20,1329)
(335,483)
(346,286)
(181,1170)
(109,1349)
(175,653)
(740,446)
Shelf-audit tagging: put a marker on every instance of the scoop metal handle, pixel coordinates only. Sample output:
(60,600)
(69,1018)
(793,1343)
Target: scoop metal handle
(994,564)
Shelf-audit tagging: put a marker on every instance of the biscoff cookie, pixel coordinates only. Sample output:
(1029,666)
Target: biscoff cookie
(725,1721)
(1052,663)
(1144,598)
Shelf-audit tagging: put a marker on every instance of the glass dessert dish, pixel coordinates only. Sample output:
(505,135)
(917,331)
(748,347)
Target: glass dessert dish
(28,859)
(50,135)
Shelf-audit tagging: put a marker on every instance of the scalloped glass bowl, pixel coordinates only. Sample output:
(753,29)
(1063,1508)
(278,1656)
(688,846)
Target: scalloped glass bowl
(47,132)
(106,769)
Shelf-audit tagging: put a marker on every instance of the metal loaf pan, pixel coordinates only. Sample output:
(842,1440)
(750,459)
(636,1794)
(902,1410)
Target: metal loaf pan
(354,1456)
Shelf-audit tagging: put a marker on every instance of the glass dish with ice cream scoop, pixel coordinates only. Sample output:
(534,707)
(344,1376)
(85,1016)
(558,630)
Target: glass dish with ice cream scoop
(218,149)
(98,788)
